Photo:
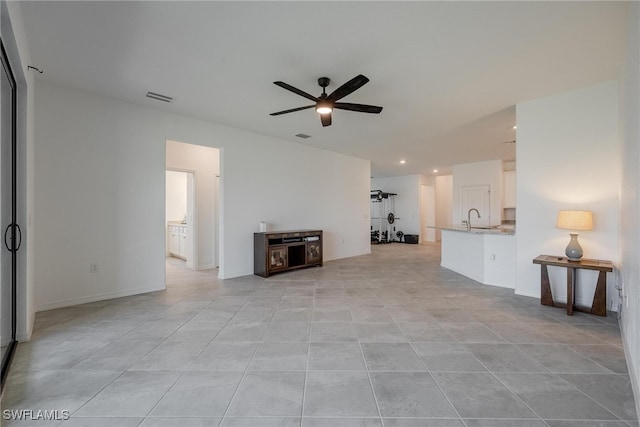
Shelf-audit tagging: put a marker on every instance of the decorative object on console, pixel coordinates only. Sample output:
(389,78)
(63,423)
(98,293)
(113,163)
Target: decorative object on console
(575,221)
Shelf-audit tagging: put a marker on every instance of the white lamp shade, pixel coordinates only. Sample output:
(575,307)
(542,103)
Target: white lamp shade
(575,220)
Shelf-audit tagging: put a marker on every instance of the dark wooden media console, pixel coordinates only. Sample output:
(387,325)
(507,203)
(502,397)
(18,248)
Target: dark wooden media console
(278,251)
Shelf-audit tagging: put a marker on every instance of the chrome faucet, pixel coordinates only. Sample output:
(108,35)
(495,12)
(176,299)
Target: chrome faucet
(469,217)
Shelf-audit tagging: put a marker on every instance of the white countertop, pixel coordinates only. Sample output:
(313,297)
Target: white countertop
(505,230)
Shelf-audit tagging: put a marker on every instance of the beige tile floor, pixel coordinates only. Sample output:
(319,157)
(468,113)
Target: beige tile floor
(387,339)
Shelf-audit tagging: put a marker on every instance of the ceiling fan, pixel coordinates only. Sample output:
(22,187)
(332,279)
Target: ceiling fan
(325,104)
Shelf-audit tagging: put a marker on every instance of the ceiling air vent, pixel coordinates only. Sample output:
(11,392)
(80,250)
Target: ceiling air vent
(303,136)
(159,97)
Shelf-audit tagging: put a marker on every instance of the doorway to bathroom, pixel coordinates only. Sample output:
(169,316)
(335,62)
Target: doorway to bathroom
(191,205)
(179,202)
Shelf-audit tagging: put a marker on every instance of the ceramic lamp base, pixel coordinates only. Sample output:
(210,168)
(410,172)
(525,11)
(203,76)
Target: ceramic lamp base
(574,250)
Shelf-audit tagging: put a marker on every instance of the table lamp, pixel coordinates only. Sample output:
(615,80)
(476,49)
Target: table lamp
(575,221)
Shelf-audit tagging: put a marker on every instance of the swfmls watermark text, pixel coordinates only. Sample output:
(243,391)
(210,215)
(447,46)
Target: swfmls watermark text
(36,415)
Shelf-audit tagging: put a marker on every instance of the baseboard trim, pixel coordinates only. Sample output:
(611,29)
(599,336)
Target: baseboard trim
(465,274)
(222,274)
(527,294)
(498,285)
(23,337)
(344,256)
(99,297)
(633,373)
(207,267)
(561,299)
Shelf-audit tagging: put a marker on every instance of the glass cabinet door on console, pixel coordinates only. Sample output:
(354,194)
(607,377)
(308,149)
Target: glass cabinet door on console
(314,252)
(277,257)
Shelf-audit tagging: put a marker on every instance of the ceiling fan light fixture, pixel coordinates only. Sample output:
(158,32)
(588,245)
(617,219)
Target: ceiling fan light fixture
(324,107)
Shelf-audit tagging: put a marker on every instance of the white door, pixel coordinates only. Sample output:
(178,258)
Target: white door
(476,197)
(427,213)
(189,239)
(216,222)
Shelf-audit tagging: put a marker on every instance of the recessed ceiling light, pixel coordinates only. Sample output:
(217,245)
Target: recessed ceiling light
(402,162)
(515,127)
(435,171)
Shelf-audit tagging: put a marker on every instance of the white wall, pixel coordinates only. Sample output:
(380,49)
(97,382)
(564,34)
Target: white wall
(427,213)
(500,260)
(630,201)
(204,162)
(407,202)
(463,253)
(568,156)
(444,207)
(100,170)
(479,173)
(291,186)
(176,191)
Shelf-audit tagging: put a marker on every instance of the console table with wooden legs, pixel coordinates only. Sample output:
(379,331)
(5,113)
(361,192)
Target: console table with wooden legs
(599,305)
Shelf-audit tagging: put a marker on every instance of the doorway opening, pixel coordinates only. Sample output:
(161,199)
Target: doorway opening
(179,198)
(192,206)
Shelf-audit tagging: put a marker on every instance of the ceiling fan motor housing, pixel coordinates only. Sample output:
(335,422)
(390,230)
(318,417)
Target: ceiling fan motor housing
(324,81)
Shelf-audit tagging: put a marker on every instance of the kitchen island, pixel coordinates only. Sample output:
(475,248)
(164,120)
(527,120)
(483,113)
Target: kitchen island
(484,254)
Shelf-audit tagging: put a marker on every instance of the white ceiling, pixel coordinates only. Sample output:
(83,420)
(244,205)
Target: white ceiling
(448,74)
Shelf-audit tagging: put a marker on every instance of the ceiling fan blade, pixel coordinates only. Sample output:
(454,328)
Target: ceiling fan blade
(351,86)
(325,119)
(295,90)
(291,110)
(361,108)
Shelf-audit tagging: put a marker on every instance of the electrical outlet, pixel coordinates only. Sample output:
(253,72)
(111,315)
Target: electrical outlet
(622,292)
(94,267)
(626,300)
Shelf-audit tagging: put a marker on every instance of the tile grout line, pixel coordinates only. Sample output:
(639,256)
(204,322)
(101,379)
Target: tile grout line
(246,370)
(489,371)
(306,370)
(437,384)
(373,390)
